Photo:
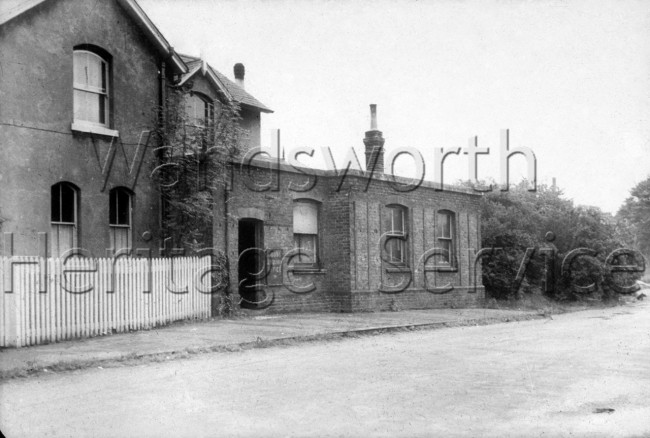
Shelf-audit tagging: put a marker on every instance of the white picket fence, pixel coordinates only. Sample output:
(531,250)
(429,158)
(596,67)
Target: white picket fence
(90,297)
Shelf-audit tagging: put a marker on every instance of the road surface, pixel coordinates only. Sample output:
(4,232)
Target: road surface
(580,374)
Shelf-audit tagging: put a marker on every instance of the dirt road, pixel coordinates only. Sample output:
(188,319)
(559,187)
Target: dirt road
(580,374)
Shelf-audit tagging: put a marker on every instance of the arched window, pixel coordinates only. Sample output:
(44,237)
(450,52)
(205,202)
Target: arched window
(395,229)
(305,231)
(199,109)
(64,203)
(119,213)
(91,81)
(446,225)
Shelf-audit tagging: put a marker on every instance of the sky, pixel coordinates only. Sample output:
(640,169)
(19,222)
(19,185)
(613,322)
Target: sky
(570,80)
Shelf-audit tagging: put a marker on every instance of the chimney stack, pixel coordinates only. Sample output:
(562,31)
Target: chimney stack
(374,144)
(240,71)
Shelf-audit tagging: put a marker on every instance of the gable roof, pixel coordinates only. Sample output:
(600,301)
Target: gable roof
(221,82)
(10,9)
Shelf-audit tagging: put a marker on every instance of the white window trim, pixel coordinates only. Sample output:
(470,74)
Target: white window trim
(402,234)
(316,260)
(451,257)
(130,210)
(80,126)
(55,225)
(90,127)
(127,227)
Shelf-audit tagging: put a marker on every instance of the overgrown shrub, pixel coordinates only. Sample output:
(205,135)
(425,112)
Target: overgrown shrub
(519,220)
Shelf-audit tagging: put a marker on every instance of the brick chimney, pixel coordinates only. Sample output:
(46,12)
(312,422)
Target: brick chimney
(239,71)
(374,144)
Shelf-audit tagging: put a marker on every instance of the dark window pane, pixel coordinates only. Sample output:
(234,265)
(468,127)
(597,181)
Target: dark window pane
(123,208)
(102,109)
(56,203)
(119,207)
(103,66)
(112,207)
(67,203)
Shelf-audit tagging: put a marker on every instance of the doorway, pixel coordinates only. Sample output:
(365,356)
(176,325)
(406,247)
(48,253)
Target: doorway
(251,261)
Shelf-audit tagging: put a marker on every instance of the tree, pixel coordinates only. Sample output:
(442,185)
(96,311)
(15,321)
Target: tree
(193,159)
(634,217)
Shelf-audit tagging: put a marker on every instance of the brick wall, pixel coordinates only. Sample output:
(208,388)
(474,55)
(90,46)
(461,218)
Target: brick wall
(370,274)
(352,271)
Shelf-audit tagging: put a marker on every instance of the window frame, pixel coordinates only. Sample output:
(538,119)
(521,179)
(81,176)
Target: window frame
(115,225)
(56,224)
(116,192)
(208,110)
(75,201)
(400,237)
(316,263)
(81,124)
(450,260)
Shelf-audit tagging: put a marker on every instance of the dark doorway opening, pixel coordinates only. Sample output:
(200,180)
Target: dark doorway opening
(251,262)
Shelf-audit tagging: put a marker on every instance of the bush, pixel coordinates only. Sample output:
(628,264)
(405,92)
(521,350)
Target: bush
(519,221)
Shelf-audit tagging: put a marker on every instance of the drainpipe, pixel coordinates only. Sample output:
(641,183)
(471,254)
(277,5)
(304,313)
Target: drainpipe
(163,93)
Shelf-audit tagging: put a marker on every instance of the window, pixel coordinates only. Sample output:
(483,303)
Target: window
(305,231)
(119,213)
(64,206)
(91,94)
(395,231)
(446,232)
(199,109)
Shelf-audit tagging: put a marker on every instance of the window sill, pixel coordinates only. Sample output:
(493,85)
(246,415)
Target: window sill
(93,129)
(443,269)
(398,269)
(307,271)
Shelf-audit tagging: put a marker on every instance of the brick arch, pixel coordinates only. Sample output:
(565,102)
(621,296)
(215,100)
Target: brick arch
(306,197)
(398,200)
(252,213)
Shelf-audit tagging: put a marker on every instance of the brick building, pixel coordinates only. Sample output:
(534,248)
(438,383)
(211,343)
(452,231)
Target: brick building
(366,243)
(79,81)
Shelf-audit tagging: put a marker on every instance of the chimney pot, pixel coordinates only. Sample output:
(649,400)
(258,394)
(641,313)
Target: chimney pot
(374,142)
(240,71)
(373,117)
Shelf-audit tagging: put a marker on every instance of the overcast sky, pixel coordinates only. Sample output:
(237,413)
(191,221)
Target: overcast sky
(571,80)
